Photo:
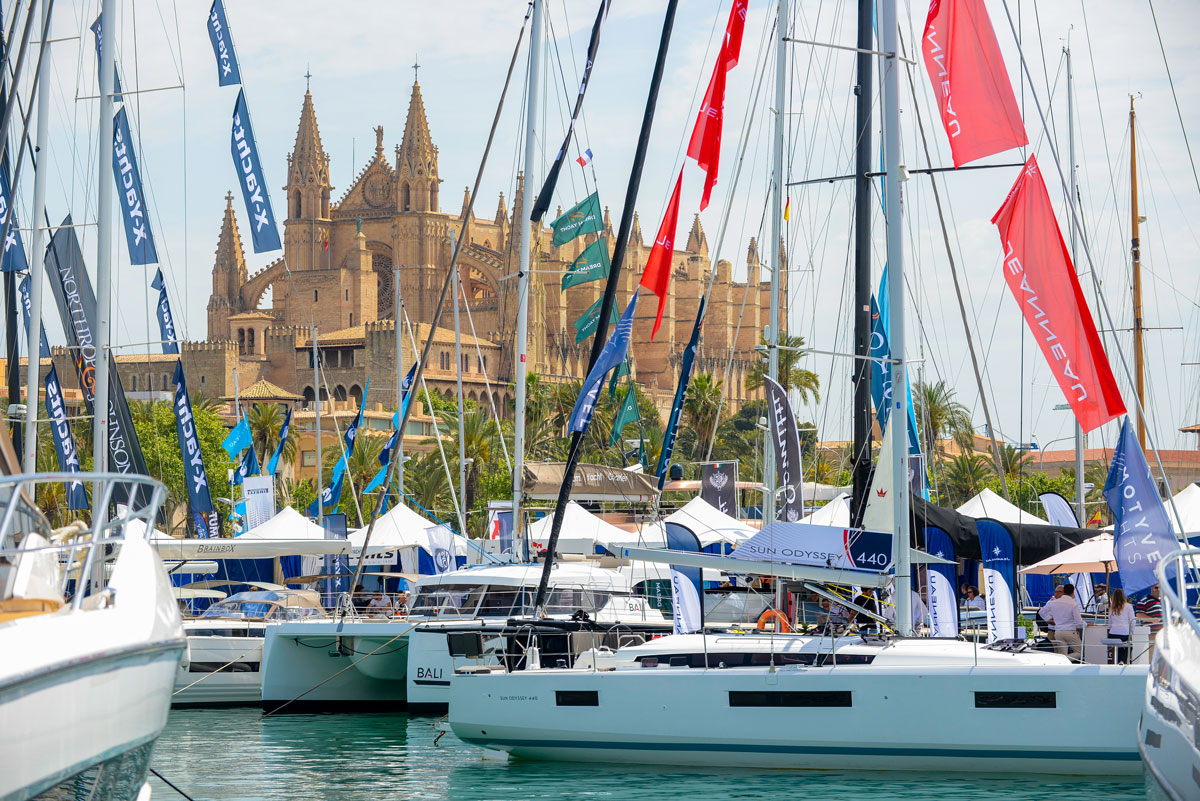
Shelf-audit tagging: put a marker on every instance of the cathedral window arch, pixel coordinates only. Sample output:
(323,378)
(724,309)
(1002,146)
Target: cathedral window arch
(339,393)
(325,203)
(294,204)
(250,340)
(309,397)
(357,393)
(405,198)
(241,340)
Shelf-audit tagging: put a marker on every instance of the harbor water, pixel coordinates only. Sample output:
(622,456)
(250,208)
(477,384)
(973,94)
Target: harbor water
(238,755)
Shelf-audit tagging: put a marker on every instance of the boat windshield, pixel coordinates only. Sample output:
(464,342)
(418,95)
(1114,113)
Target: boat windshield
(449,600)
(502,601)
(259,610)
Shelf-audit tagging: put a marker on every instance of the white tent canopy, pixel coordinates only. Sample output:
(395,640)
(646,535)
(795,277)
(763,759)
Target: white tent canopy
(1187,502)
(287,524)
(582,531)
(709,524)
(989,504)
(404,530)
(834,513)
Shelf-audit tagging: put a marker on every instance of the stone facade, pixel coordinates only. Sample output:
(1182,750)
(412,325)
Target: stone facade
(336,274)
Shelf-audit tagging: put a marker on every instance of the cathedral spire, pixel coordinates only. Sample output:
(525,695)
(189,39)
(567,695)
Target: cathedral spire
(230,255)
(697,242)
(416,160)
(308,183)
(228,275)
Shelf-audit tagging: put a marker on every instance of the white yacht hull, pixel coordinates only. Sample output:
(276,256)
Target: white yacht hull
(335,666)
(1169,730)
(860,717)
(238,682)
(88,691)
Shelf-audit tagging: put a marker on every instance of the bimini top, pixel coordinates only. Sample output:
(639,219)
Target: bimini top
(268,605)
(563,574)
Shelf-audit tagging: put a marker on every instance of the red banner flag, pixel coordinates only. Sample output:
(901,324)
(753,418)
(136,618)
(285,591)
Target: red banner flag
(657,277)
(974,95)
(1039,272)
(705,144)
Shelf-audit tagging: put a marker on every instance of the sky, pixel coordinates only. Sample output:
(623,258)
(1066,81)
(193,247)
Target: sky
(360,58)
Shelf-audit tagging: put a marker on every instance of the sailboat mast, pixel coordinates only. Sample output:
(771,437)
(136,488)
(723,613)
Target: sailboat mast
(526,232)
(1080,437)
(462,456)
(398,309)
(889,43)
(1139,365)
(776,239)
(316,360)
(37,213)
(862,261)
(104,209)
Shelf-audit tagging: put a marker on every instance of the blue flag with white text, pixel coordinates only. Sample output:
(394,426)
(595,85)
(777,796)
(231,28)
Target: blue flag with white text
(239,439)
(166,323)
(943,606)
(14,249)
(881,371)
(610,358)
(194,475)
(685,376)
(116,77)
(247,162)
(273,463)
(352,432)
(228,73)
(25,309)
(999,578)
(64,444)
(1141,530)
(331,494)
(247,467)
(131,194)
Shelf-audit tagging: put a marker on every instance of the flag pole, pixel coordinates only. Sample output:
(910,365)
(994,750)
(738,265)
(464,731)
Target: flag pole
(610,290)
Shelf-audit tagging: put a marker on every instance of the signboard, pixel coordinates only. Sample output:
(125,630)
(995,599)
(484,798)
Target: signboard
(718,486)
(819,546)
(260,500)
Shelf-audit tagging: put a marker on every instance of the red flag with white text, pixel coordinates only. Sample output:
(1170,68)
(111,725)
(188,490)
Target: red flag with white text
(1039,272)
(705,144)
(974,95)
(657,276)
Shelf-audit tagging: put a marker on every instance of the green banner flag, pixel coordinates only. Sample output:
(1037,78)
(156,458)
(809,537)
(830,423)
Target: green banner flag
(617,375)
(587,323)
(627,415)
(592,265)
(584,217)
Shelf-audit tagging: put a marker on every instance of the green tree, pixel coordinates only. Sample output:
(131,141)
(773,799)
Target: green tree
(963,477)
(791,374)
(1014,460)
(701,406)
(266,421)
(940,415)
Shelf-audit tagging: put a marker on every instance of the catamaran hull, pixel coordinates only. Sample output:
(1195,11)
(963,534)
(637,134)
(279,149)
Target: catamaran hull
(335,667)
(220,671)
(848,718)
(1169,730)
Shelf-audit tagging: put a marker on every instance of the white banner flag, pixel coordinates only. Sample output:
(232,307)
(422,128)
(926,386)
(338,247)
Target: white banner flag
(685,603)
(441,548)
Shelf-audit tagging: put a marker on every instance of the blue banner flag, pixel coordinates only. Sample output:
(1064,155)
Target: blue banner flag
(610,358)
(129,188)
(116,77)
(166,323)
(1142,533)
(194,474)
(254,186)
(352,432)
(25,309)
(247,467)
(685,376)
(406,389)
(943,606)
(999,577)
(14,249)
(68,457)
(238,440)
(283,435)
(881,372)
(333,493)
(377,480)
(222,44)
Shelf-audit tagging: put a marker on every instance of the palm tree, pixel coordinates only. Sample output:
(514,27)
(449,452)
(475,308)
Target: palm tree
(1014,460)
(963,477)
(361,467)
(425,481)
(791,374)
(266,421)
(701,405)
(939,415)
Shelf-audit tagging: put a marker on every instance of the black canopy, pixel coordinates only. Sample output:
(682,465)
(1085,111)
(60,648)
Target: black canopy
(1031,542)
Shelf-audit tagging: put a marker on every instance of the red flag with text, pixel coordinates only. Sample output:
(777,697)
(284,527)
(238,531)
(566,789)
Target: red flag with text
(974,95)
(705,144)
(1039,272)
(657,277)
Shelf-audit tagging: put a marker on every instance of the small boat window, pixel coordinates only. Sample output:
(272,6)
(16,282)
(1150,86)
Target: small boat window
(577,697)
(1015,700)
(768,698)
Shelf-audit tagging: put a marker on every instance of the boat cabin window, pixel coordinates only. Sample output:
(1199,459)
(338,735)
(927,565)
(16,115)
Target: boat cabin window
(259,610)
(1015,700)
(754,659)
(249,631)
(564,600)
(505,602)
(449,600)
(786,698)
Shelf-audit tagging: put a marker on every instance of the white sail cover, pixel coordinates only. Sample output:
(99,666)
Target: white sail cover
(989,504)
(582,531)
(709,524)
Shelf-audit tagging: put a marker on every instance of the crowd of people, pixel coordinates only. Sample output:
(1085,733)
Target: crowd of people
(1063,616)
(379,603)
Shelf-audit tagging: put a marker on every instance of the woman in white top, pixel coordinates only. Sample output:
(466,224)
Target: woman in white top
(1120,624)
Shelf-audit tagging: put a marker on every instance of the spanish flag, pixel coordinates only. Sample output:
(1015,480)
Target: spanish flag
(787,210)
(325,240)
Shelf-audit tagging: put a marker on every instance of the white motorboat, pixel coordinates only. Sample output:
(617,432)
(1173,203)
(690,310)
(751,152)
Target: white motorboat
(224,644)
(1169,730)
(796,701)
(91,637)
(362,662)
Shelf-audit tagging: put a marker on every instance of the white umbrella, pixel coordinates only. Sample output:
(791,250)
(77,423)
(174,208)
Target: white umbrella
(1094,555)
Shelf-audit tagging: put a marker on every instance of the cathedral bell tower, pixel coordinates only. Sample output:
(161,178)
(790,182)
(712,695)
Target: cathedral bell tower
(307,227)
(416,161)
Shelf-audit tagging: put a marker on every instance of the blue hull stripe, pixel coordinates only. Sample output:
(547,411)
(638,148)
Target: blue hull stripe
(1130,755)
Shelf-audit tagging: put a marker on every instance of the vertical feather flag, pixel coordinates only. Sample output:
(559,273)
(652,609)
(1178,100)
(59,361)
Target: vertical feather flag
(705,144)
(657,277)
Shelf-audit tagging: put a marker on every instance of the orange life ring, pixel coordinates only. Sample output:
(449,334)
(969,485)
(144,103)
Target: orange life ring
(768,614)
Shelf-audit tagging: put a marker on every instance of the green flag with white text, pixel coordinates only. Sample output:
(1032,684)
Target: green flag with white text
(587,323)
(627,415)
(617,375)
(592,265)
(582,218)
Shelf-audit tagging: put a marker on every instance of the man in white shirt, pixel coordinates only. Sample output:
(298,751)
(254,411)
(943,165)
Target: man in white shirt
(1066,622)
(380,605)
